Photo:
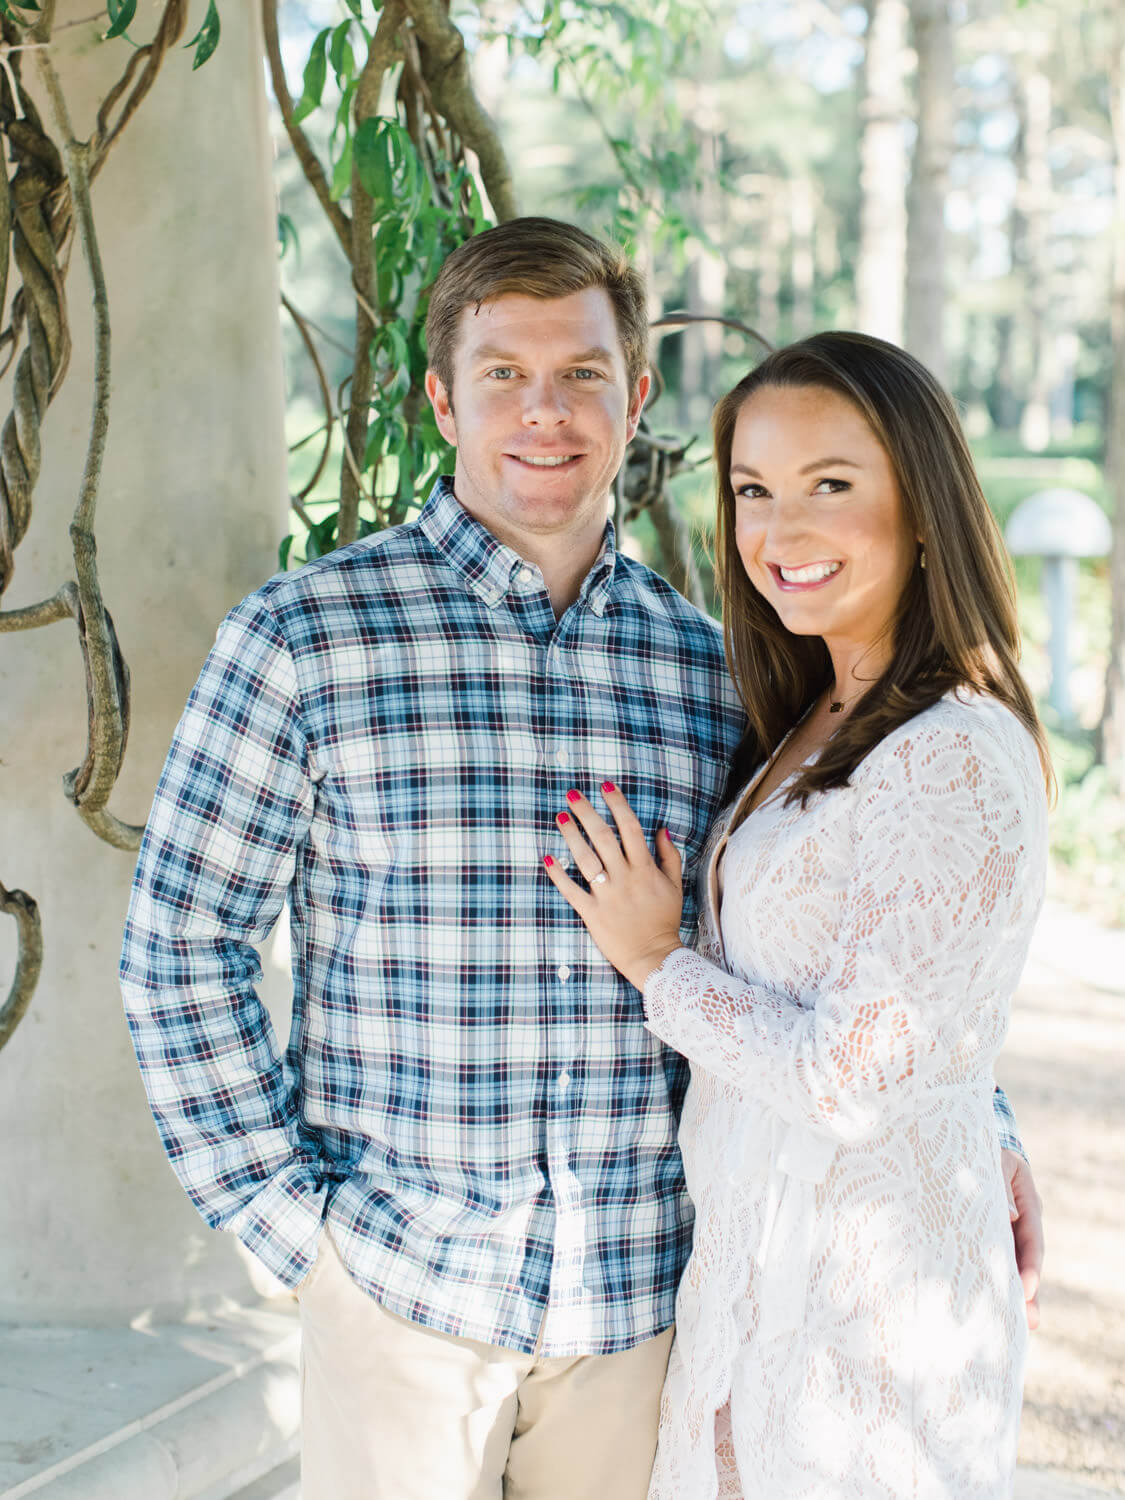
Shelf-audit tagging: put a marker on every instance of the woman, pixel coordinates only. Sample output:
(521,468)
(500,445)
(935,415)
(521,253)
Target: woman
(851,1322)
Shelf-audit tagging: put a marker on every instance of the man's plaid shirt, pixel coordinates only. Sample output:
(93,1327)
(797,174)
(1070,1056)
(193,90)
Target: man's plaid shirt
(469,1095)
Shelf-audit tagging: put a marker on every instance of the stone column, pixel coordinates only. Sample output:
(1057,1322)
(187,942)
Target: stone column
(93,1225)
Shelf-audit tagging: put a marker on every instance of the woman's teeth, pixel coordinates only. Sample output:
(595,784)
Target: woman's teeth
(814,573)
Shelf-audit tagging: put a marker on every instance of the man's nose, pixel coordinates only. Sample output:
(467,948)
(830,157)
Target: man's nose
(545,404)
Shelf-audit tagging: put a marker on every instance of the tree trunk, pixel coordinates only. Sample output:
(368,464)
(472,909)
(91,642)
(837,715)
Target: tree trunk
(1113,718)
(802,223)
(707,273)
(881,268)
(929,184)
(1035,204)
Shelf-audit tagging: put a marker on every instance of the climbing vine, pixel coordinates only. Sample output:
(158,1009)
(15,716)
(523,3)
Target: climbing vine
(45,205)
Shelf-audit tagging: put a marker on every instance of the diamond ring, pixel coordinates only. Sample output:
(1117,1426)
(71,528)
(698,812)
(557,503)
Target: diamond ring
(600,878)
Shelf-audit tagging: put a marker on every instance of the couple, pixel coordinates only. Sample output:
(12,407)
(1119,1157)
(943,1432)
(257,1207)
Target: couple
(450,747)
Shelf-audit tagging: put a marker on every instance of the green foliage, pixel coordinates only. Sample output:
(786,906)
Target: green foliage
(121,13)
(422,208)
(1087,831)
(206,39)
(287,237)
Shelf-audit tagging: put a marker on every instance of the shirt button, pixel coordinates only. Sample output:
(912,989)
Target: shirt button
(524,575)
(563,971)
(560,756)
(564,1081)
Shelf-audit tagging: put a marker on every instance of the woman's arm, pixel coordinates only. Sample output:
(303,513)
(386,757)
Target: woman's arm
(949,856)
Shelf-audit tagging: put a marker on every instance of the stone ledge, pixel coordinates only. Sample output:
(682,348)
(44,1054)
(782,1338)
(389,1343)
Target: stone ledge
(189,1411)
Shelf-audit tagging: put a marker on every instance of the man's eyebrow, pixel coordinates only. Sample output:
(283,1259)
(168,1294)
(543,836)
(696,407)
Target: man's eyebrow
(821,463)
(591,356)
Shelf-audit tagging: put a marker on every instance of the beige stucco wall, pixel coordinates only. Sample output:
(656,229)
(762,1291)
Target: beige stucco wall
(93,1226)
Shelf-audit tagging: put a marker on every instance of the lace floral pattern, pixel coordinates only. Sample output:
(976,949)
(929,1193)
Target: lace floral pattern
(850,1323)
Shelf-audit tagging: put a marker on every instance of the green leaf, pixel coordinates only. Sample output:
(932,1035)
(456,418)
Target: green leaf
(316,71)
(355,8)
(283,553)
(342,174)
(287,236)
(321,538)
(340,54)
(373,159)
(121,13)
(206,39)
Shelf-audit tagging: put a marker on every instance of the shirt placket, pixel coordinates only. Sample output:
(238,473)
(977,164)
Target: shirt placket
(563,996)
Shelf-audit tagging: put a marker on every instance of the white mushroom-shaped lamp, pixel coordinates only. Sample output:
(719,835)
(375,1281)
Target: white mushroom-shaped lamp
(1060,526)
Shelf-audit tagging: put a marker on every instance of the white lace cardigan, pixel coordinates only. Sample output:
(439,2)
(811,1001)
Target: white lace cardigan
(852,1287)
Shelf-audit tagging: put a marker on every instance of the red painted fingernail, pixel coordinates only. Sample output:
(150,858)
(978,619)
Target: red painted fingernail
(666,834)
(547,860)
(563,818)
(608,786)
(574,796)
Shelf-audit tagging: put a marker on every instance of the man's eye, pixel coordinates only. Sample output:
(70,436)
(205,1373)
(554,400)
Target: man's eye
(501,372)
(584,374)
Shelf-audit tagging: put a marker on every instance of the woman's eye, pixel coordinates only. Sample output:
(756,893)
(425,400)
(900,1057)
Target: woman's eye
(752,492)
(834,486)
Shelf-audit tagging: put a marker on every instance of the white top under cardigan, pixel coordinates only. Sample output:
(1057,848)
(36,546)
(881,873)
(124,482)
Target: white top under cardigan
(852,1288)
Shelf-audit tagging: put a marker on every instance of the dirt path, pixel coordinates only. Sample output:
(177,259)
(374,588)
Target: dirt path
(1064,1068)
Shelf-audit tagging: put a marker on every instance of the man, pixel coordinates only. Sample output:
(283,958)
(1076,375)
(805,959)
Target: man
(465,1163)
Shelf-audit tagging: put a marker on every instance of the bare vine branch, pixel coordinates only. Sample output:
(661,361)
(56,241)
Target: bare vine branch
(38,183)
(325,396)
(62,603)
(678,319)
(307,157)
(171,28)
(444,61)
(29,960)
(107,677)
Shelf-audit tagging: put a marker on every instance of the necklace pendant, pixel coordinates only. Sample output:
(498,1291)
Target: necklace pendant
(837,707)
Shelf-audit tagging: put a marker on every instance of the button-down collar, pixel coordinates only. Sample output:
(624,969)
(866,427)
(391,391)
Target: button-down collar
(491,569)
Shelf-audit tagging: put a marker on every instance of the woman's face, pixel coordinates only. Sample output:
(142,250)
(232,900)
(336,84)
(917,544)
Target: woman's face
(818,517)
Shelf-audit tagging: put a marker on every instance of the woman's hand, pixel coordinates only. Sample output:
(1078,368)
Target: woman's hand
(634,905)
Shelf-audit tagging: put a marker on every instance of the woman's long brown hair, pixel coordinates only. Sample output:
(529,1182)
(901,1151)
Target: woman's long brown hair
(956,622)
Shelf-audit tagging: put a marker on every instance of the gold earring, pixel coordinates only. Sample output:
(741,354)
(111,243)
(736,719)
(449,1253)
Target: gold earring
(922,557)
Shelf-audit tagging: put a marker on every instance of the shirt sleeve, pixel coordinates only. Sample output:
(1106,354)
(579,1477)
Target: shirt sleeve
(1007,1131)
(949,852)
(231,810)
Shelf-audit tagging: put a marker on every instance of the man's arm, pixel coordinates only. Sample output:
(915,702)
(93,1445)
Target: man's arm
(1024,1205)
(232,807)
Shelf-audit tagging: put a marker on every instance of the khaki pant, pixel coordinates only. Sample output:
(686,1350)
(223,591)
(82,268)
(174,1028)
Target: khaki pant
(395,1411)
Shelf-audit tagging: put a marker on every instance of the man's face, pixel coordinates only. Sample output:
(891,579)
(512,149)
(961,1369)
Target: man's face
(540,413)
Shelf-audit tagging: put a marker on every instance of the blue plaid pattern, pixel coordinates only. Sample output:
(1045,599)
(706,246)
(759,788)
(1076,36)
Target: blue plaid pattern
(469,1095)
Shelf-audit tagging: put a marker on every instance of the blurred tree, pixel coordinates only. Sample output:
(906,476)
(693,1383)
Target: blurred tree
(880,272)
(1112,732)
(932,26)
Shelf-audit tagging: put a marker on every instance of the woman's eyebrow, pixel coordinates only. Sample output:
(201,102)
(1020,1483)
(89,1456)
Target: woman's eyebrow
(820,463)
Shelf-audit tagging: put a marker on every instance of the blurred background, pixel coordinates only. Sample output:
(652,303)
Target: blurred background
(945,175)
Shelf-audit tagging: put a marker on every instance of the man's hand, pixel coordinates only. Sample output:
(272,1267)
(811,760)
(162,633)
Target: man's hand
(1026,1209)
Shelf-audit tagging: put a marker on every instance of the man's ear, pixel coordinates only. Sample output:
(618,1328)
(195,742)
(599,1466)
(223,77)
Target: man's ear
(443,407)
(636,405)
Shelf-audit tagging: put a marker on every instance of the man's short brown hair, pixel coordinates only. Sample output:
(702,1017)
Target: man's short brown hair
(535,258)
